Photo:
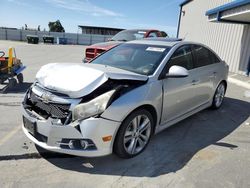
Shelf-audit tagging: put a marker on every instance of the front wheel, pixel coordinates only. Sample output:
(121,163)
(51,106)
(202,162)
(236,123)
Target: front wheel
(134,134)
(219,96)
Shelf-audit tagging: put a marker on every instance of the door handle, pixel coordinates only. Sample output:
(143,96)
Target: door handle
(194,82)
(213,75)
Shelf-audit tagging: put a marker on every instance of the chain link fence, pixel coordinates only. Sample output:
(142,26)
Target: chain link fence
(72,38)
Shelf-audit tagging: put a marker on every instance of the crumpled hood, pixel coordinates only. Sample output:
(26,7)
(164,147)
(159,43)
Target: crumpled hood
(77,80)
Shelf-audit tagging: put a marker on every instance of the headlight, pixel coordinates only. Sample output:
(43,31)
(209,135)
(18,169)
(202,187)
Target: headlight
(93,107)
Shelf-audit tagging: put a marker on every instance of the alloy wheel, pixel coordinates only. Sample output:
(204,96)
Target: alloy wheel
(219,96)
(137,134)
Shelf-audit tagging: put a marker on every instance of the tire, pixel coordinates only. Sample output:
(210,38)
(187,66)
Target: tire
(12,83)
(138,127)
(20,78)
(219,96)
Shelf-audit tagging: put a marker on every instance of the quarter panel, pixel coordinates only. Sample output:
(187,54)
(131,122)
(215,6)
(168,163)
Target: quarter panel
(222,73)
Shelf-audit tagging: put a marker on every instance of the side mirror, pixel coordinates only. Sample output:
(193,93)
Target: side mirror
(177,72)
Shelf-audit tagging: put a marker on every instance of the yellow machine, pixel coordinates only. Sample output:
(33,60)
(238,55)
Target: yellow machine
(10,67)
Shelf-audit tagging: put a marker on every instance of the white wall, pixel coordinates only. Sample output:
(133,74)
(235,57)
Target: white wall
(228,40)
(245,48)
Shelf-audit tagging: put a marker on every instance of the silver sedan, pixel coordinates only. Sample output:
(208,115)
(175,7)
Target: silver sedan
(123,97)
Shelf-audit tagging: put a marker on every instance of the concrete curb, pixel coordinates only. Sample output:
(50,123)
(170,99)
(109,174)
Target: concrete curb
(239,82)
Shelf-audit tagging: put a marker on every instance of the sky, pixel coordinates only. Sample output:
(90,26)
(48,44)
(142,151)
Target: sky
(126,14)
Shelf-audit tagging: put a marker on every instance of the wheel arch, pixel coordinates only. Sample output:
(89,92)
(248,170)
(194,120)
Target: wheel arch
(222,81)
(151,109)
(225,82)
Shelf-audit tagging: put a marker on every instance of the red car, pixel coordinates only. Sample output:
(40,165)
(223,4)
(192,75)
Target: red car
(123,36)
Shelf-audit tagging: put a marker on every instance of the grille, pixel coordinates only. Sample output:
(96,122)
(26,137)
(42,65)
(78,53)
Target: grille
(90,50)
(53,109)
(92,53)
(99,52)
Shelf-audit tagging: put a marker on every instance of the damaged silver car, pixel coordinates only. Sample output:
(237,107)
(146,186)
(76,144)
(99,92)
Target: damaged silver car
(122,98)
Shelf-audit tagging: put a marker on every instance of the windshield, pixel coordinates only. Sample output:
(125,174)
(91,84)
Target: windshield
(128,35)
(138,58)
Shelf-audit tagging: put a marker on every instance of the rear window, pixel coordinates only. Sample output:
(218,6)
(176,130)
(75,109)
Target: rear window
(214,58)
(138,58)
(128,35)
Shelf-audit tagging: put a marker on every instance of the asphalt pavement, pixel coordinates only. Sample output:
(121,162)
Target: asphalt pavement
(209,149)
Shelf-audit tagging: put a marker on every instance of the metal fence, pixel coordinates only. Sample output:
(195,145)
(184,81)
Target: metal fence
(72,38)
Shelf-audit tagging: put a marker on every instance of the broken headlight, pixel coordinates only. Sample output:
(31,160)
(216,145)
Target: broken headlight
(93,107)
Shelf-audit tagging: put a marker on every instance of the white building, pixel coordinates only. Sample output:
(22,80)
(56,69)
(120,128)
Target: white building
(223,25)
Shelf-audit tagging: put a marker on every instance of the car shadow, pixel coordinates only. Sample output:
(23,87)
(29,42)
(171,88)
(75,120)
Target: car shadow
(170,150)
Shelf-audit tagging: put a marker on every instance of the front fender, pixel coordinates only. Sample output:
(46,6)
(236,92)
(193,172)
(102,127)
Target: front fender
(148,94)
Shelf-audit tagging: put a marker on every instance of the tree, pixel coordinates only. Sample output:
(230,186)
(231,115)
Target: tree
(56,26)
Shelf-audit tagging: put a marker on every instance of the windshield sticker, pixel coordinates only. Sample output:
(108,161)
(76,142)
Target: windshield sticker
(155,49)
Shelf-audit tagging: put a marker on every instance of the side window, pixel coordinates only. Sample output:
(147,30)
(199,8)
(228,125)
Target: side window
(152,35)
(214,58)
(204,56)
(181,57)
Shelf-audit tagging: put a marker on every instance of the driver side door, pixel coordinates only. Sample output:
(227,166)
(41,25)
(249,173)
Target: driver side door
(178,92)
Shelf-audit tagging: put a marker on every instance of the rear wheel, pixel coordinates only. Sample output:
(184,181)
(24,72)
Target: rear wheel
(134,134)
(12,83)
(219,96)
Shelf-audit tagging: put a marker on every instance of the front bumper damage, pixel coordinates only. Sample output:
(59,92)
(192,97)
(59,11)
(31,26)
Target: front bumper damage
(49,121)
(54,137)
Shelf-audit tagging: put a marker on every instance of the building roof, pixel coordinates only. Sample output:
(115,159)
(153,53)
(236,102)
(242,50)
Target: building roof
(185,2)
(237,11)
(227,6)
(97,27)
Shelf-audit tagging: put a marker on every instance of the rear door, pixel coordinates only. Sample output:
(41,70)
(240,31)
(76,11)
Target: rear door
(204,74)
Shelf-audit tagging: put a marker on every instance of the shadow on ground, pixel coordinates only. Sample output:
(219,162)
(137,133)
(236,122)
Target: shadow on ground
(18,88)
(170,150)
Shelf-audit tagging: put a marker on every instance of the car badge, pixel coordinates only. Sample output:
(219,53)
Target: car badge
(46,97)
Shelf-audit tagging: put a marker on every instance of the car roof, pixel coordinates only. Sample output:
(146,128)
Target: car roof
(170,43)
(165,42)
(146,30)
(166,39)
